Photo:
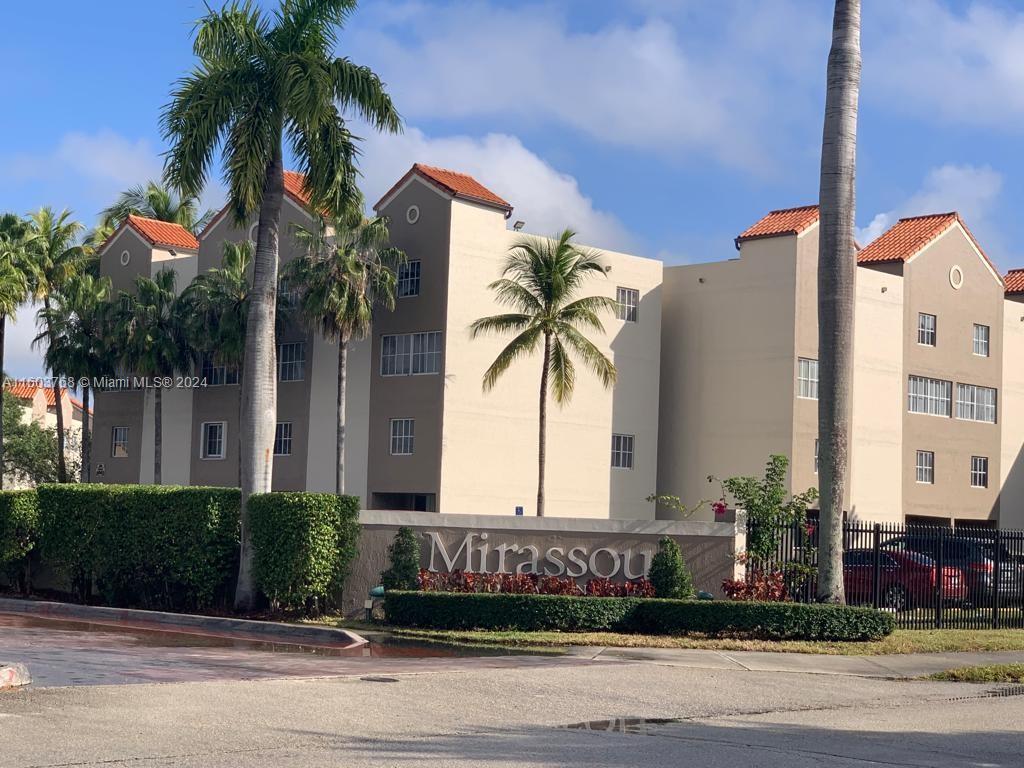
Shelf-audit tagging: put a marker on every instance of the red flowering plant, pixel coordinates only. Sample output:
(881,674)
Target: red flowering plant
(766,586)
(530,583)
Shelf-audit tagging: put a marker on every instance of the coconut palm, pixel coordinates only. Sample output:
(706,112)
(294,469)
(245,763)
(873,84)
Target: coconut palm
(14,242)
(540,281)
(151,342)
(54,257)
(155,201)
(837,265)
(339,283)
(262,78)
(81,315)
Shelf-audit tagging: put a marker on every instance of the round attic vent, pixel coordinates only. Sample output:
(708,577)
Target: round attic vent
(412,214)
(956,277)
(125,258)
(252,232)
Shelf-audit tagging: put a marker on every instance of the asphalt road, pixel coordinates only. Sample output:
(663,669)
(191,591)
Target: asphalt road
(517,716)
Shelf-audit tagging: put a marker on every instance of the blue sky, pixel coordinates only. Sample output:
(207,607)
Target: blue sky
(659,127)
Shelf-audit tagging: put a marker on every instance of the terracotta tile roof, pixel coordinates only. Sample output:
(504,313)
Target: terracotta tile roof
(1014,281)
(26,390)
(785,221)
(294,185)
(454,183)
(163,233)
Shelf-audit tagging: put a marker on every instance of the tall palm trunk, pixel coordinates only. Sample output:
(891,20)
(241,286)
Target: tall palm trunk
(62,468)
(342,378)
(3,331)
(259,383)
(836,283)
(86,473)
(158,434)
(543,425)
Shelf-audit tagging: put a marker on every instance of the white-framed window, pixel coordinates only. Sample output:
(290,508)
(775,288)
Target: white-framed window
(622,451)
(287,295)
(931,396)
(981,334)
(403,432)
(408,279)
(816,444)
(283,439)
(426,352)
(926,467)
(627,304)
(291,361)
(213,443)
(925,329)
(807,378)
(217,375)
(119,442)
(974,403)
(979,471)
(403,354)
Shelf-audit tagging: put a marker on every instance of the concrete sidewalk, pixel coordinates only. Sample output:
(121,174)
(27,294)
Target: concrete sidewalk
(892,666)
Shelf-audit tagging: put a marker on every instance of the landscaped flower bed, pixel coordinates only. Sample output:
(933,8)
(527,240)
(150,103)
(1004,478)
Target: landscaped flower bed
(530,584)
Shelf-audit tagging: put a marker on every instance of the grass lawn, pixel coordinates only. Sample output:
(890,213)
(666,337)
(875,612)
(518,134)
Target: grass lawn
(900,641)
(996,673)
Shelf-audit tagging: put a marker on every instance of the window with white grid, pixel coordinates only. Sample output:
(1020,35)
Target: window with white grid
(119,442)
(974,403)
(926,467)
(807,378)
(402,434)
(410,353)
(426,352)
(979,471)
(931,396)
(926,329)
(212,446)
(981,333)
(622,451)
(217,375)
(283,439)
(291,361)
(408,279)
(394,355)
(628,304)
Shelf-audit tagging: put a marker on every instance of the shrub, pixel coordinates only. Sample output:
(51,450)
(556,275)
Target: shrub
(448,610)
(404,556)
(668,573)
(19,524)
(529,584)
(771,621)
(148,545)
(764,586)
(566,613)
(304,545)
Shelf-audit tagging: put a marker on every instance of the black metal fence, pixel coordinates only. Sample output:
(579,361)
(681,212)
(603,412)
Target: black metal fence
(929,577)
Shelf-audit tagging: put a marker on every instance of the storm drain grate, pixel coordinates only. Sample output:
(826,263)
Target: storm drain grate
(995,693)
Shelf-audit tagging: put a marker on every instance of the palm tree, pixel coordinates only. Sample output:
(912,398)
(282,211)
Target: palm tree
(152,342)
(81,316)
(837,265)
(54,258)
(540,281)
(14,241)
(262,78)
(155,201)
(340,282)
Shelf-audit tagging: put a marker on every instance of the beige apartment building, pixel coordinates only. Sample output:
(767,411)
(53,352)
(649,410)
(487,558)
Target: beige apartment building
(421,433)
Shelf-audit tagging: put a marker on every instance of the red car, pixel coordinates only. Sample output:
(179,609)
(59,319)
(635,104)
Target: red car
(907,579)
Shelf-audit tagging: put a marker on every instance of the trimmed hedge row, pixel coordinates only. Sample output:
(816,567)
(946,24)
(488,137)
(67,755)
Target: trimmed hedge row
(19,527)
(775,621)
(304,544)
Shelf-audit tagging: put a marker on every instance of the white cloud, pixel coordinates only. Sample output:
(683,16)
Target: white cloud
(546,199)
(637,84)
(20,360)
(965,66)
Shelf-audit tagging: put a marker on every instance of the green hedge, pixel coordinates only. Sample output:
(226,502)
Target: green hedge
(304,545)
(19,527)
(792,621)
(147,545)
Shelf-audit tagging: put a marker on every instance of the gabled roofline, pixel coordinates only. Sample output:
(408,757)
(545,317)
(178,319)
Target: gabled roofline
(422,172)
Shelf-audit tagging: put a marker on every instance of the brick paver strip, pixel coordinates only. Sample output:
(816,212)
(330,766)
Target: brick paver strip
(245,629)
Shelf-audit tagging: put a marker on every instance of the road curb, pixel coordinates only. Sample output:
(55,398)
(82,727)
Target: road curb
(245,629)
(13,676)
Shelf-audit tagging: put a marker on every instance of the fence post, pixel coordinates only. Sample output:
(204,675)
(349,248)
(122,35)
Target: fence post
(940,594)
(996,576)
(876,566)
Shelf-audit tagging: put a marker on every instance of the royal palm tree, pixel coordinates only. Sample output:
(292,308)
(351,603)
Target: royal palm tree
(54,257)
(81,316)
(339,283)
(155,201)
(837,265)
(14,243)
(152,344)
(262,78)
(541,281)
